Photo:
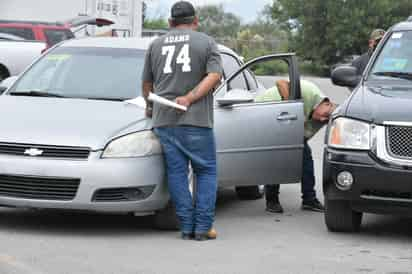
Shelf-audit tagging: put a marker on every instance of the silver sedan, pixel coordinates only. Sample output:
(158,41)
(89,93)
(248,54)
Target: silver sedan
(69,139)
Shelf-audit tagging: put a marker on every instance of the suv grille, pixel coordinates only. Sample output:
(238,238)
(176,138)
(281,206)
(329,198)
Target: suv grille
(400,141)
(45,151)
(43,188)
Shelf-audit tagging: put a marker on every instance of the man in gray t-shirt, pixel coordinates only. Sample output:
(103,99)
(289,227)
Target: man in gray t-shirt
(184,65)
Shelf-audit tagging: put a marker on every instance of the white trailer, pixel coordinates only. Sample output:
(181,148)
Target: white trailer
(127,14)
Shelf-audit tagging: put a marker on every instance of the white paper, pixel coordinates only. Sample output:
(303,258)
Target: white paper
(397,35)
(138,101)
(160,100)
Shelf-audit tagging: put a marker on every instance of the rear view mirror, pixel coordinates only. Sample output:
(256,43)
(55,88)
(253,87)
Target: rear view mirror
(6,83)
(346,76)
(235,96)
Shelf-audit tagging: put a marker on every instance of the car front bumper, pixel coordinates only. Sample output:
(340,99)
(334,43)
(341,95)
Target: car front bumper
(377,187)
(94,174)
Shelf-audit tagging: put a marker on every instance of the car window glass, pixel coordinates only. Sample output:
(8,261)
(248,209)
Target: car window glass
(56,36)
(230,65)
(25,33)
(396,55)
(270,73)
(86,73)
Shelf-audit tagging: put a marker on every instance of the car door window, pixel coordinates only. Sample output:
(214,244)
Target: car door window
(25,33)
(230,65)
(269,70)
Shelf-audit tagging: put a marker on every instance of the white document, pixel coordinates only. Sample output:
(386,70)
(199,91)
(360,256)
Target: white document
(160,100)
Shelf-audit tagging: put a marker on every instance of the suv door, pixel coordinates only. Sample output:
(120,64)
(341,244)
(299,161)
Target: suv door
(260,143)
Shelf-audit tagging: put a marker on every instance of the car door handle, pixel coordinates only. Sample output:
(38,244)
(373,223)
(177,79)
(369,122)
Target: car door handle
(286,116)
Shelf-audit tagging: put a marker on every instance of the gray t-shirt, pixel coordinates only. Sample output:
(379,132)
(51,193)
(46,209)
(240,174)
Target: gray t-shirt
(176,63)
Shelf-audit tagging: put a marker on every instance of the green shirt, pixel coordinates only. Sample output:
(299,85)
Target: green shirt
(311,96)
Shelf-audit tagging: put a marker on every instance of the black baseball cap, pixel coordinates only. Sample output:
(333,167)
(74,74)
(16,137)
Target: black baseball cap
(182,12)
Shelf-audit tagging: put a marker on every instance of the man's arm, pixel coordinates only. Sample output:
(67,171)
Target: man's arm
(283,88)
(147,87)
(201,90)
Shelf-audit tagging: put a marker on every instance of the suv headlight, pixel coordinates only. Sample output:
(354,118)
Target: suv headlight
(349,134)
(139,144)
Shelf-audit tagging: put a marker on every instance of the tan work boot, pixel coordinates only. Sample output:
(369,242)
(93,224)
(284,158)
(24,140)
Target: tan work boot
(210,235)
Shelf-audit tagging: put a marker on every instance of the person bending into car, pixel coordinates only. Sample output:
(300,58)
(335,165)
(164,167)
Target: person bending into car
(317,111)
(185,65)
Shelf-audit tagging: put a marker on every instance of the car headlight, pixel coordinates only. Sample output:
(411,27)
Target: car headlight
(139,144)
(349,134)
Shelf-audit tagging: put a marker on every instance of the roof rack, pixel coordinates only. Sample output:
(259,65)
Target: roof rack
(31,22)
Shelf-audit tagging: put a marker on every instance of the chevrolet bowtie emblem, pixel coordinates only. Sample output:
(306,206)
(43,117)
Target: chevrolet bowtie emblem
(33,152)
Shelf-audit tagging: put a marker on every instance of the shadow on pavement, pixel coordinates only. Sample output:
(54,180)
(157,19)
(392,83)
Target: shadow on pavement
(88,223)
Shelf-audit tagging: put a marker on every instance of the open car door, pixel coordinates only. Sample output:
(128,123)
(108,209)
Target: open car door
(259,142)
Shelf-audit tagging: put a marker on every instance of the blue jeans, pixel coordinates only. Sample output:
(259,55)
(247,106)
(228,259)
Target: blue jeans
(181,145)
(308,179)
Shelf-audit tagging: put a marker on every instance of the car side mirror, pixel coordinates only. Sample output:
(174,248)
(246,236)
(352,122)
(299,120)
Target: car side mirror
(6,83)
(346,76)
(235,96)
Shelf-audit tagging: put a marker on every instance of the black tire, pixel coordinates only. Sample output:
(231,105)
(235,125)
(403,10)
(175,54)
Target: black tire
(3,73)
(249,192)
(166,218)
(339,216)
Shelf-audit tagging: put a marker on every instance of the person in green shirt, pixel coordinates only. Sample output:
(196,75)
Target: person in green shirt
(317,110)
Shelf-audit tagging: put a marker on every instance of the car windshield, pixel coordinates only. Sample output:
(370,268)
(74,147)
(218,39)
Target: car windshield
(85,72)
(395,59)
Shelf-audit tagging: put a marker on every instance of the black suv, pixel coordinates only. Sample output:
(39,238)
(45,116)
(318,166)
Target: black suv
(368,153)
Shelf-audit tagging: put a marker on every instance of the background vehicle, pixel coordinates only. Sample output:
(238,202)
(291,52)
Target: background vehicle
(49,32)
(15,56)
(74,143)
(368,154)
(127,14)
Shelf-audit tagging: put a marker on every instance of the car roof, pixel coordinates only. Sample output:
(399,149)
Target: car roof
(407,25)
(125,43)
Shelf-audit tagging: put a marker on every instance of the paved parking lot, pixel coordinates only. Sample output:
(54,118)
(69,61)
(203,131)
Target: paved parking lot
(250,240)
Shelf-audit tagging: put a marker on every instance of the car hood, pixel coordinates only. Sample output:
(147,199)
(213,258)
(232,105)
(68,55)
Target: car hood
(67,122)
(378,104)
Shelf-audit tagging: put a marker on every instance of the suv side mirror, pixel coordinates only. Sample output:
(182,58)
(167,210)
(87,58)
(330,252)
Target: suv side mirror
(6,83)
(346,76)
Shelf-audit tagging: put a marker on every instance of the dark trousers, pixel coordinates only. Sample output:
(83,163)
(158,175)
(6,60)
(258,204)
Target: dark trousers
(307,182)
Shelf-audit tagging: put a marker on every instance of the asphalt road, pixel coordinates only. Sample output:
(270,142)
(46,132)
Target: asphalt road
(250,240)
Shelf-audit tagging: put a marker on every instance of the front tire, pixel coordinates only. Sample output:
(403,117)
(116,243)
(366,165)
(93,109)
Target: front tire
(249,192)
(339,216)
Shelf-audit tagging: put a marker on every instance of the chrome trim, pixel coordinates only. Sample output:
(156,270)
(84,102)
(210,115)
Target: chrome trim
(382,149)
(379,198)
(400,124)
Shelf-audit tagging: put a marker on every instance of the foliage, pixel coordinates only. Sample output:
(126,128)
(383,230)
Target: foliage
(325,31)
(158,23)
(216,22)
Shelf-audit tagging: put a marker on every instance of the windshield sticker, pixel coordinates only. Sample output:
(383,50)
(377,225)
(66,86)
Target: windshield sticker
(58,57)
(394,64)
(397,35)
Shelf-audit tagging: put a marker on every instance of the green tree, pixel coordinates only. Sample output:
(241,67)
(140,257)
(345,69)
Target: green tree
(325,31)
(157,23)
(218,23)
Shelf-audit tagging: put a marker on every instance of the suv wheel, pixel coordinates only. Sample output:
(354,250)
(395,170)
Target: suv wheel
(3,73)
(339,216)
(249,192)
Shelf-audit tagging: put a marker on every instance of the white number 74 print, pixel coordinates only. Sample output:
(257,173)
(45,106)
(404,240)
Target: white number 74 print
(183,58)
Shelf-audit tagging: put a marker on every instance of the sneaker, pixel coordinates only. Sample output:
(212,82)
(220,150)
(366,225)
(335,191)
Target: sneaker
(210,235)
(274,207)
(187,236)
(313,205)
